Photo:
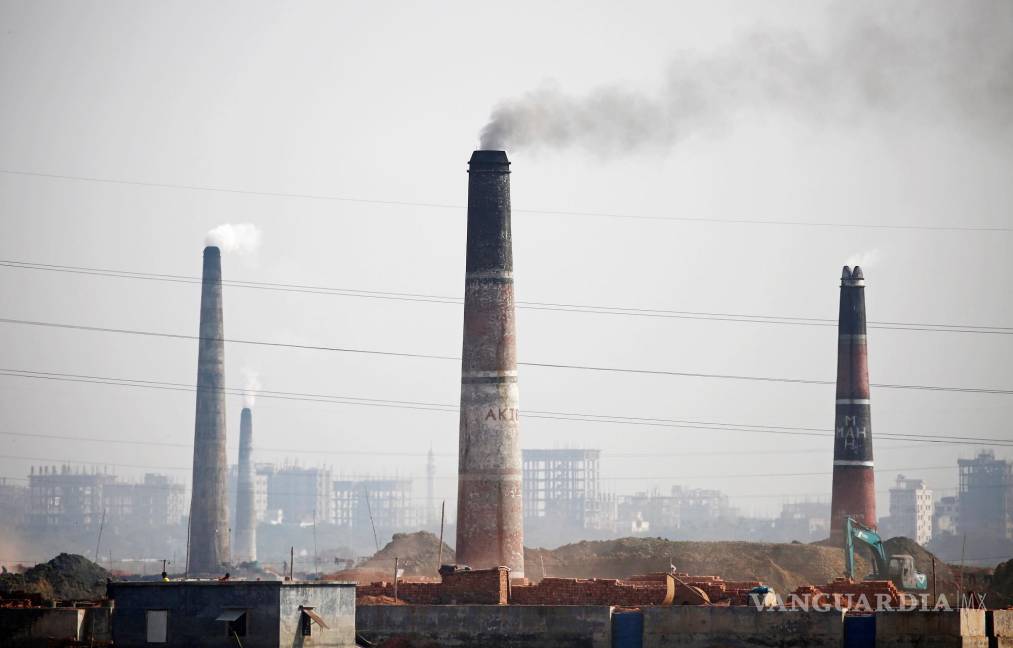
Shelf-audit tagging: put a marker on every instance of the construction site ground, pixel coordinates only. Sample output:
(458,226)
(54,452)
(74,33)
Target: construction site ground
(785,567)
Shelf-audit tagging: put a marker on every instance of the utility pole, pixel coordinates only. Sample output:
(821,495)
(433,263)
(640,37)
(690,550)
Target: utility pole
(395,579)
(99,541)
(369,510)
(443,513)
(315,568)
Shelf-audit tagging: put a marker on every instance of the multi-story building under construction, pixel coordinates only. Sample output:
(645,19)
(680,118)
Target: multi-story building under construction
(563,486)
(985,497)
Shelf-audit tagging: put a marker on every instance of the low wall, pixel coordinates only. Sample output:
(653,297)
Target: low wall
(957,628)
(489,626)
(692,626)
(476,587)
(35,627)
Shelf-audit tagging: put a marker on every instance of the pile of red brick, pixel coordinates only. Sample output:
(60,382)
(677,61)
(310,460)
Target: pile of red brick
(493,587)
(594,591)
(717,589)
(846,593)
(481,586)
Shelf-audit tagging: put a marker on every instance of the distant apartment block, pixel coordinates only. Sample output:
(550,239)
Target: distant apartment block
(911,511)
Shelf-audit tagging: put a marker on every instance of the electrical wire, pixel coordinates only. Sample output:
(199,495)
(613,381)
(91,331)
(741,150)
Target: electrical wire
(542,306)
(544,365)
(542,212)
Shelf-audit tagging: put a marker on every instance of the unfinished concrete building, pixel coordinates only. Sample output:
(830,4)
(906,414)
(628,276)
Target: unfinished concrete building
(13,503)
(490,525)
(563,487)
(244,547)
(389,501)
(302,495)
(209,548)
(155,502)
(985,498)
(66,497)
(854,482)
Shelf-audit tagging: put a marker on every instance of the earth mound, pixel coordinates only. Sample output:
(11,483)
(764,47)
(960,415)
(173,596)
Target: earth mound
(782,566)
(64,578)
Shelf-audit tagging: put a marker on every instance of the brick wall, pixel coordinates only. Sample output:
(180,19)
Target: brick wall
(492,587)
(837,593)
(481,587)
(574,591)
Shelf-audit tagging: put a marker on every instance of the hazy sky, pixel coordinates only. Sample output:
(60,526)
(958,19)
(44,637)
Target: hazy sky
(871,113)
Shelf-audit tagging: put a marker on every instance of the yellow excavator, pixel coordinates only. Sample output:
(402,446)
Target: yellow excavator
(899,568)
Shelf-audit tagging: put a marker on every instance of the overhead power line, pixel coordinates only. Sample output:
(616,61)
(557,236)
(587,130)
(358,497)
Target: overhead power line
(532,414)
(388,453)
(544,365)
(541,212)
(526,305)
(737,475)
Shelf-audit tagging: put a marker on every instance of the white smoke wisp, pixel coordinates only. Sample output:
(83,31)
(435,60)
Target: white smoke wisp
(925,61)
(240,238)
(866,259)
(251,385)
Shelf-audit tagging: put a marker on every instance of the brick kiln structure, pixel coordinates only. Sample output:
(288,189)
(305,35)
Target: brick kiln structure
(854,485)
(490,525)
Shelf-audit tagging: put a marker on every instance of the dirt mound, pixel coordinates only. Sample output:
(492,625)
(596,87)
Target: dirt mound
(1002,583)
(782,566)
(66,577)
(946,577)
(417,553)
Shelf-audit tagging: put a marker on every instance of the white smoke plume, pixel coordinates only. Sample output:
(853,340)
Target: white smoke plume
(251,385)
(866,259)
(924,60)
(241,238)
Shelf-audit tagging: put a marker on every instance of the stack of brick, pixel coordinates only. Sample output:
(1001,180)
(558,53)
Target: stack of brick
(480,587)
(493,587)
(595,591)
(716,589)
(846,593)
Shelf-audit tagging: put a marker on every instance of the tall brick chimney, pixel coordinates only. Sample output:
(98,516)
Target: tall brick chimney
(209,518)
(489,515)
(245,534)
(854,487)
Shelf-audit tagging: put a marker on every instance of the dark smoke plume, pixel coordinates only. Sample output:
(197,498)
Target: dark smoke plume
(930,61)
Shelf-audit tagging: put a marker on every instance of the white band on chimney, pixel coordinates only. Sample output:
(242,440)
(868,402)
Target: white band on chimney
(848,462)
(489,274)
(852,401)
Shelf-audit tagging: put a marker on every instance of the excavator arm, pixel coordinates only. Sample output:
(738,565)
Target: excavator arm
(861,533)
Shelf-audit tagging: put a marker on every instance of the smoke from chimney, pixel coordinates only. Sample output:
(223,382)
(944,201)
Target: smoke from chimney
(931,59)
(240,238)
(251,385)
